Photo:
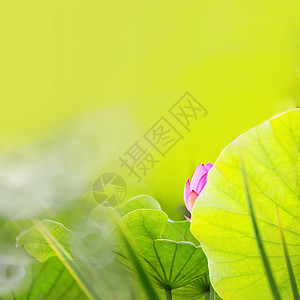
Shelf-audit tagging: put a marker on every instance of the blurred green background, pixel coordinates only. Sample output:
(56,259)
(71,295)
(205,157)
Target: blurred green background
(124,64)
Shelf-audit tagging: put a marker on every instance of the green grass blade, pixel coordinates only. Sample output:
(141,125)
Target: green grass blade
(263,255)
(65,258)
(287,259)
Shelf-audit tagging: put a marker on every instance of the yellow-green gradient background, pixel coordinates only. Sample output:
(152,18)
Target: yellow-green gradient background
(62,58)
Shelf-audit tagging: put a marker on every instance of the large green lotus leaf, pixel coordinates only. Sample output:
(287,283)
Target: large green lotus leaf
(220,218)
(138,202)
(37,246)
(179,231)
(49,280)
(171,263)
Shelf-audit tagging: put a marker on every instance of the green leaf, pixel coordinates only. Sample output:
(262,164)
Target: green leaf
(49,280)
(142,274)
(198,289)
(36,245)
(260,245)
(50,235)
(138,202)
(179,231)
(220,218)
(172,264)
(195,289)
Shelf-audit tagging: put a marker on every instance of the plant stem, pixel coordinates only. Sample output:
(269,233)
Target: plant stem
(212,293)
(206,296)
(168,294)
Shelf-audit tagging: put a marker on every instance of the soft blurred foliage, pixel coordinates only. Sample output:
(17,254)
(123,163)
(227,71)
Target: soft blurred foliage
(82,81)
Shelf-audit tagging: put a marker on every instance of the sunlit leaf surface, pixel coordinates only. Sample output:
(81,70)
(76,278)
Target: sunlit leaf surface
(221,222)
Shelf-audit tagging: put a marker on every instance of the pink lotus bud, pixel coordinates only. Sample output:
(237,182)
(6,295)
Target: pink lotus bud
(193,189)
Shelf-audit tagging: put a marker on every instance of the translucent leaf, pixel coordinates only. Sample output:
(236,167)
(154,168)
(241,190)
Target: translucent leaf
(37,246)
(220,218)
